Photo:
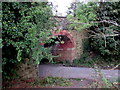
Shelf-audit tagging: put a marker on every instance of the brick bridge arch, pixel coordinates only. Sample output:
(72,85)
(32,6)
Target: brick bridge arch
(65,49)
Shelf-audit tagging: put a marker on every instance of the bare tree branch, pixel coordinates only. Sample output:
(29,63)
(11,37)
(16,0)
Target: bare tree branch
(109,22)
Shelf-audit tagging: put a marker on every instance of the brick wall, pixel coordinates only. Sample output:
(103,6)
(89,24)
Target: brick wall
(28,70)
(78,36)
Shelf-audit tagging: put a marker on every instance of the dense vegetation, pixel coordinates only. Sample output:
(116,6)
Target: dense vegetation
(25,26)
(84,14)
(107,32)
(102,21)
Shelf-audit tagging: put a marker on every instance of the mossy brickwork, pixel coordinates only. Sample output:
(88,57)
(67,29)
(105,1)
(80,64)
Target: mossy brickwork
(78,37)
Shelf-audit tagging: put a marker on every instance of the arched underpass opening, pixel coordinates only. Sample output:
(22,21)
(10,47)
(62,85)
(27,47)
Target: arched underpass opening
(62,46)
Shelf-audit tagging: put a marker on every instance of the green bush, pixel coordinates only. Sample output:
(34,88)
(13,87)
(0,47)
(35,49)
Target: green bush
(102,22)
(106,42)
(84,14)
(25,25)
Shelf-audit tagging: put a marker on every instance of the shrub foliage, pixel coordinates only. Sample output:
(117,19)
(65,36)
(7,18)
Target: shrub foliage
(102,22)
(107,35)
(25,25)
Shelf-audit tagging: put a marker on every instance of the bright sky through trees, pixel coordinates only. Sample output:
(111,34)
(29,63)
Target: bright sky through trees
(62,6)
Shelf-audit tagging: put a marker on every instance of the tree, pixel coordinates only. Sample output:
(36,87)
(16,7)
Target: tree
(106,40)
(25,26)
(102,22)
(83,16)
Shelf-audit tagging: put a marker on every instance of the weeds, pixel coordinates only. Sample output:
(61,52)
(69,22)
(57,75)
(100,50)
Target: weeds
(51,81)
(87,61)
(102,81)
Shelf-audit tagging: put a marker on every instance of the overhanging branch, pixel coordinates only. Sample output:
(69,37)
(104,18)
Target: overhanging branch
(109,22)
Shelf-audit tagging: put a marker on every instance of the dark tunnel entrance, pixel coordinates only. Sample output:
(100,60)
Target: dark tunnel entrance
(60,39)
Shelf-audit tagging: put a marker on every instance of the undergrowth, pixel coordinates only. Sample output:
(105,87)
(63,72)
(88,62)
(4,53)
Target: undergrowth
(52,81)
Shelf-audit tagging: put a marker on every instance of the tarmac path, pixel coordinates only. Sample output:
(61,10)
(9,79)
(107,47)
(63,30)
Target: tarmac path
(76,72)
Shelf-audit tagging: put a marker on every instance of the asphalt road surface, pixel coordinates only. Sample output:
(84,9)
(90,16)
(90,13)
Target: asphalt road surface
(76,72)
